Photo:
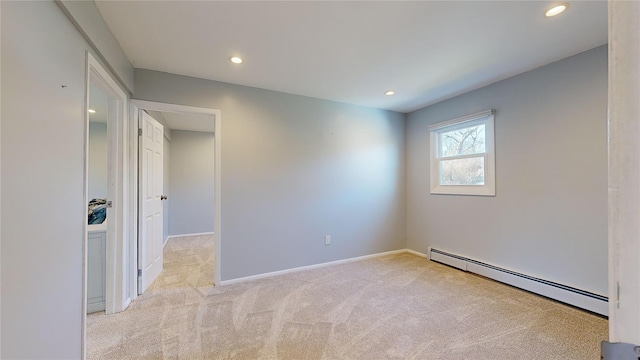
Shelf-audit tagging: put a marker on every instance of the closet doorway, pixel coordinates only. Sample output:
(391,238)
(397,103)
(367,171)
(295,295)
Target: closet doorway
(104,271)
(98,192)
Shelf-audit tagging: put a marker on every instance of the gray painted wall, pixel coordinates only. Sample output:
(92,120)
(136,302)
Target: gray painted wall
(88,19)
(549,217)
(43,149)
(97,160)
(295,169)
(191,182)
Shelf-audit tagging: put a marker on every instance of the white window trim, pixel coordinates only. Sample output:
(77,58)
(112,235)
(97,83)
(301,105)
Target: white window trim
(489,187)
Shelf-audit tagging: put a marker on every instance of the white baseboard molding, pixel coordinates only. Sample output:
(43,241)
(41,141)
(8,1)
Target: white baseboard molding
(410,251)
(580,298)
(188,235)
(308,267)
(95,307)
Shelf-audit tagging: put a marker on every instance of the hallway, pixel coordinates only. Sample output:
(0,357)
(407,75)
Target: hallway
(188,262)
(186,278)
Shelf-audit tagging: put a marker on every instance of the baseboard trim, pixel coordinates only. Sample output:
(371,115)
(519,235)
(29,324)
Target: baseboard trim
(410,251)
(309,267)
(187,235)
(95,307)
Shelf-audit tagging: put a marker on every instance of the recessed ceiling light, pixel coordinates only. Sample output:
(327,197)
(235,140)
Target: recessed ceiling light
(236,60)
(556,10)
(390,92)
(91,111)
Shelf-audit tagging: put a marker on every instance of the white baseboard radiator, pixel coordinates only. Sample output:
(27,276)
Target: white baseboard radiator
(566,294)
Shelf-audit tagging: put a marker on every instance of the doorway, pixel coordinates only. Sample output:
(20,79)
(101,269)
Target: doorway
(176,199)
(106,196)
(104,280)
(98,193)
(183,122)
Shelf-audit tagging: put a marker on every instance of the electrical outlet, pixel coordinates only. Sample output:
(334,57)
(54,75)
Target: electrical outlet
(327,240)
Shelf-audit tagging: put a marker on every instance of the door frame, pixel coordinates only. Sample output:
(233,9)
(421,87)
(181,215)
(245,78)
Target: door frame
(116,296)
(137,105)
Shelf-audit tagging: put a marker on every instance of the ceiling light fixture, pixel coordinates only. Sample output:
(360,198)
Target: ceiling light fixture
(390,92)
(236,60)
(91,111)
(556,10)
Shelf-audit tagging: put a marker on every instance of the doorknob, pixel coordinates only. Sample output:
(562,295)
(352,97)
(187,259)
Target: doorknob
(163,197)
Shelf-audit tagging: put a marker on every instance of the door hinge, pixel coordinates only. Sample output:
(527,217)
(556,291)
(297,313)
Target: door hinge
(139,132)
(139,272)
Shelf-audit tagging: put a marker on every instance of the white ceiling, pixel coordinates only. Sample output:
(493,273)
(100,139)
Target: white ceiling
(190,122)
(184,121)
(426,51)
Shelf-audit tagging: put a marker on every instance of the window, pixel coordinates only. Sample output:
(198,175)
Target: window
(463,156)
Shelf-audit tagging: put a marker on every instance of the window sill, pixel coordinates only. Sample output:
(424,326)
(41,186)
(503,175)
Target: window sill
(463,190)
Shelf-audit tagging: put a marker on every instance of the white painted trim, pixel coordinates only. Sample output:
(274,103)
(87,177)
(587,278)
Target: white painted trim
(417,253)
(624,171)
(188,235)
(489,188)
(166,240)
(1,205)
(133,203)
(85,225)
(461,120)
(95,307)
(217,227)
(175,108)
(309,267)
(117,226)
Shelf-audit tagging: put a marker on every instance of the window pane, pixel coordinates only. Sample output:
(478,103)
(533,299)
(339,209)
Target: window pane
(468,171)
(470,140)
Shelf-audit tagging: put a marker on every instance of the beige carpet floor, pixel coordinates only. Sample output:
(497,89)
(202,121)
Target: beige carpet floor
(391,307)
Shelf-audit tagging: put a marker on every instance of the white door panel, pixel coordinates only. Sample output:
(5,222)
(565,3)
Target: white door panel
(151,176)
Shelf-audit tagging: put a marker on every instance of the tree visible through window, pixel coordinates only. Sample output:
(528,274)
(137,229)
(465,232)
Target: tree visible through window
(458,170)
(462,155)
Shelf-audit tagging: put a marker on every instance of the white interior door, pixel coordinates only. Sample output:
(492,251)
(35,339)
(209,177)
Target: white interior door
(150,236)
